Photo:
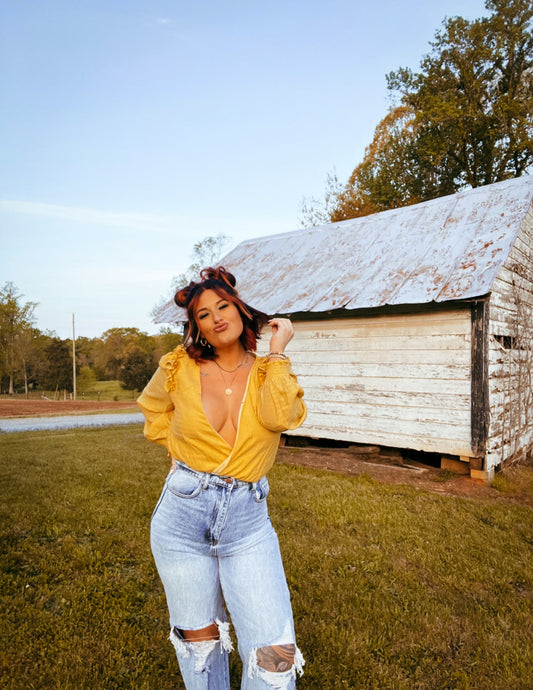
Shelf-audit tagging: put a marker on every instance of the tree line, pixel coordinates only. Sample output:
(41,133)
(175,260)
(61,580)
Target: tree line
(31,359)
(465,119)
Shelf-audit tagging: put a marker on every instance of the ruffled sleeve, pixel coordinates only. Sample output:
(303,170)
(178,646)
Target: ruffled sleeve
(170,363)
(155,401)
(280,404)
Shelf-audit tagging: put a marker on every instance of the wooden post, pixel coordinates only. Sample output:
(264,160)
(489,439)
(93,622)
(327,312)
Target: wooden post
(480,377)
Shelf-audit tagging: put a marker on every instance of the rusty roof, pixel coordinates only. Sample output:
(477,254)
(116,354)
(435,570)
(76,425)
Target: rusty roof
(445,249)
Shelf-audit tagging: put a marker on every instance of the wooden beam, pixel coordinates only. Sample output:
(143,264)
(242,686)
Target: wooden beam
(480,376)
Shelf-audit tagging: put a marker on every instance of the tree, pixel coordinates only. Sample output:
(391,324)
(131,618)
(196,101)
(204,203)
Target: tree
(464,120)
(166,340)
(473,99)
(206,252)
(136,367)
(389,174)
(16,319)
(109,351)
(57,374)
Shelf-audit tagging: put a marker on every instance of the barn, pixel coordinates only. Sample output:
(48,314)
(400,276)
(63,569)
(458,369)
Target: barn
(413,327)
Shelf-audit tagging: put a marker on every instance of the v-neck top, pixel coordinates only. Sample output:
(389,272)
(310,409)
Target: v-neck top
(175,417)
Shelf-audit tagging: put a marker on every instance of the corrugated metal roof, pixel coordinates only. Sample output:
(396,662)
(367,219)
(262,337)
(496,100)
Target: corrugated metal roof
(445,249)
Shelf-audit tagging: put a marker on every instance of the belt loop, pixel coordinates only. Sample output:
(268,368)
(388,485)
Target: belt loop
(253,486)
(205,482)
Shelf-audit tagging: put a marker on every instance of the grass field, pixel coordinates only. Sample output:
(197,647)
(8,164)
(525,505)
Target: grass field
(392,587)
(107,390)
(99,390)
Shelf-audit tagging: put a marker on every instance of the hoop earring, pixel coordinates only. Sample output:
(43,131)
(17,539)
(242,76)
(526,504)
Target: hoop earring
(203,342)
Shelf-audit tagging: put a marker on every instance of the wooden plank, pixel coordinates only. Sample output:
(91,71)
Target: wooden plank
(420,317)
(314,396)
(441,372)
(387,438)
(421,415)
(404,385)
(396,357)
(386,342)
(453,321)
(392,425)
(399,328)
(507,278)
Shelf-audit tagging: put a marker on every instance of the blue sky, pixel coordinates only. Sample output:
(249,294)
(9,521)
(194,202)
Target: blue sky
(130,130)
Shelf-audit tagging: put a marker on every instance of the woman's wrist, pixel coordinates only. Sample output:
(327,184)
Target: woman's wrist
(276,355)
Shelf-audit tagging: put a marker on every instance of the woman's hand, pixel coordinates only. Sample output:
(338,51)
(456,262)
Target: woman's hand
(282,333)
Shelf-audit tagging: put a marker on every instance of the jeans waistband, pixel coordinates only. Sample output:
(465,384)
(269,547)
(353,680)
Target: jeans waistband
(213,479)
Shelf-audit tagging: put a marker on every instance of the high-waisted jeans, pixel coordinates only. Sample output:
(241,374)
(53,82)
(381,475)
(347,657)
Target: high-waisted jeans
(213,543)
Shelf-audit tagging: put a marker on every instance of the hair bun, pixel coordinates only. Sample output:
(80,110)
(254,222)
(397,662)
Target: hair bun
(220,274)
(181,296)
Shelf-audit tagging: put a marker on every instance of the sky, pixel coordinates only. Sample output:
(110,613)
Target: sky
(132,129)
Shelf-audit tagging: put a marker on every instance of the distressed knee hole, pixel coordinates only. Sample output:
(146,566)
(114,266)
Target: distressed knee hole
(276,658)
(276,664)
(203,635)
(201,643)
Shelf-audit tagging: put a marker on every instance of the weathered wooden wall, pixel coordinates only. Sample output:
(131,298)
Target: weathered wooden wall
(511,352)
(400,380)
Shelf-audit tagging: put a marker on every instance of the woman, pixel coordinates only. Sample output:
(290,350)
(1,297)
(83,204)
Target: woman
(219,410)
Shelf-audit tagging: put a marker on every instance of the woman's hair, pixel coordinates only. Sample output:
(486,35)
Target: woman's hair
(223,283)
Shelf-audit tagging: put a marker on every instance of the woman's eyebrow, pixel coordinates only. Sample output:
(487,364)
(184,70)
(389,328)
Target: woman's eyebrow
(223,299)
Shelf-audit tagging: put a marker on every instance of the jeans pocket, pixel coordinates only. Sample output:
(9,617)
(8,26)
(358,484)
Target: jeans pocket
(261,490)
(184,484)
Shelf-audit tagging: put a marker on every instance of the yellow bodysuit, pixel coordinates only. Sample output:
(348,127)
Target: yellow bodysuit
(172,405)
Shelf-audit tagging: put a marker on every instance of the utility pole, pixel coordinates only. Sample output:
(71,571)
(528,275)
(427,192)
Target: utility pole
(73,360)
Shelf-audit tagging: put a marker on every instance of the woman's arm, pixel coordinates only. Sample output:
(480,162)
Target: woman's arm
(280,397)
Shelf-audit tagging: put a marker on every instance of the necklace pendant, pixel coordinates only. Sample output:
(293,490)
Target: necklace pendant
(228,391)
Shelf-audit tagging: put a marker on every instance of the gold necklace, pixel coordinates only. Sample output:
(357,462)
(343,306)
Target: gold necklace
(230,371)
(228,390)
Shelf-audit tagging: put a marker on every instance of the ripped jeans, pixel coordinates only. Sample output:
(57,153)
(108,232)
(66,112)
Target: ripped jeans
(214,544)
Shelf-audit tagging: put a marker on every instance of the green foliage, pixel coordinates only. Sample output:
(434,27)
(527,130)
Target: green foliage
(136,367)
(58,372)
(16,321)
(473,99)
(41,360)
(392,587)
(85,380)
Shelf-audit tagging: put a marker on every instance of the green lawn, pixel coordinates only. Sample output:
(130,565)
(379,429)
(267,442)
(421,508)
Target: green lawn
(107,390)
(98,390)
(392,587)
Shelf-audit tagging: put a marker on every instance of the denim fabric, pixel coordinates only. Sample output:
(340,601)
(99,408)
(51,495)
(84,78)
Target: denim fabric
(215,549)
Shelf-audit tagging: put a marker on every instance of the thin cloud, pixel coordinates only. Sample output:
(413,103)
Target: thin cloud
(135,221)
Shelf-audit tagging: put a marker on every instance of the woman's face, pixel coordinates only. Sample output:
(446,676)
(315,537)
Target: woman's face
(218,319)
